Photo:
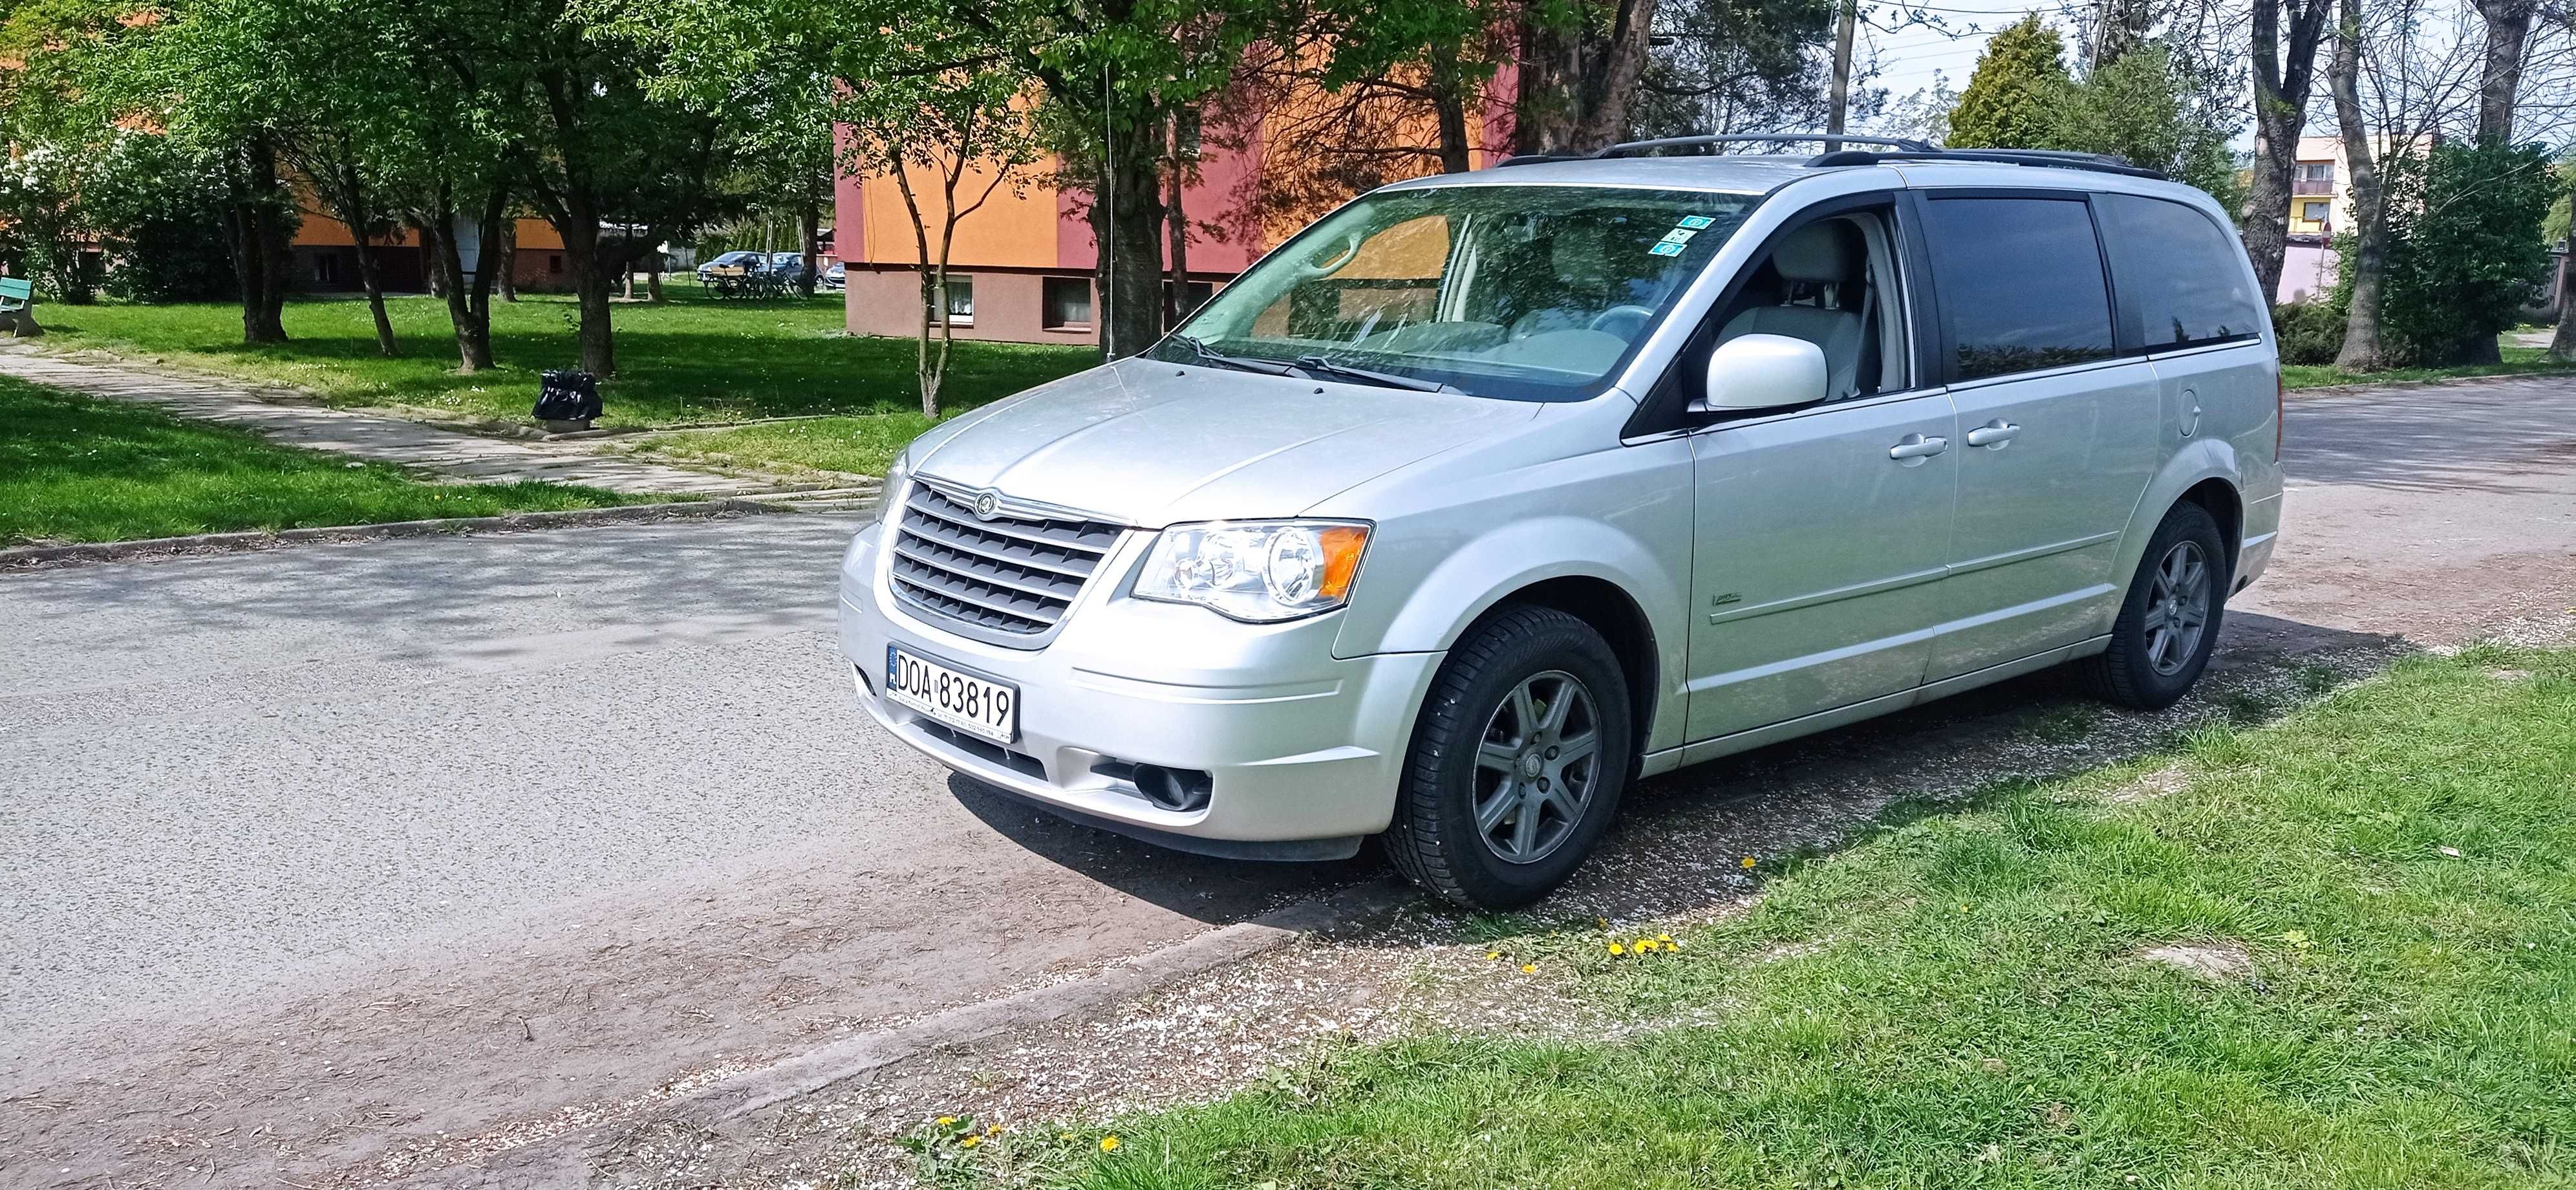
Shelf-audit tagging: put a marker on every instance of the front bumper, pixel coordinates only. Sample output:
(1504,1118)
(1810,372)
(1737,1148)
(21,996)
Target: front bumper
(1300,745)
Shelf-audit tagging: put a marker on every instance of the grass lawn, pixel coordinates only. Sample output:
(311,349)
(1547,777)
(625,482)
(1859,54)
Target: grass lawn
(691,360)
(858,445)
(1960,998)
(2518,361)
(77,470)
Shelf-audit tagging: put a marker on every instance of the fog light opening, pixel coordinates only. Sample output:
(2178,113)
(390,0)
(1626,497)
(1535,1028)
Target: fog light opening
(1181,790)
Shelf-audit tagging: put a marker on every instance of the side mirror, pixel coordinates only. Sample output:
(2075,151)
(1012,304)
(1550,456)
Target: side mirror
(1763,372)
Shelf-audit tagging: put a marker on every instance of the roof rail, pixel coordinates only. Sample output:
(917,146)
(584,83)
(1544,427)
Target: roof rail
(1634,147)
(2049,158)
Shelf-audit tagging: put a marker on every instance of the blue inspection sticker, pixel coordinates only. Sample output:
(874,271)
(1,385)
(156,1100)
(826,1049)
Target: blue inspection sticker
(1679,236)
(1696,222)
(1665,248)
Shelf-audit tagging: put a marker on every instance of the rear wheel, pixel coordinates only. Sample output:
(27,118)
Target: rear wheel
(1518,761)
(2169,624)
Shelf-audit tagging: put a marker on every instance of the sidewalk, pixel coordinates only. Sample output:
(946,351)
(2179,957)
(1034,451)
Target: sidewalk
(458,456)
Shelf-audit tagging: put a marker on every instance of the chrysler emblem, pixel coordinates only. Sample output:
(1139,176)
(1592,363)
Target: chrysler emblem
(986,504)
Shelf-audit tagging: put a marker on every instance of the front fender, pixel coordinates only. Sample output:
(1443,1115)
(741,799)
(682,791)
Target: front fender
(1489,568)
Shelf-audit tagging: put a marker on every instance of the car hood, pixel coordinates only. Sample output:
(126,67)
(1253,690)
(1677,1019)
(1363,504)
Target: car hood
(1151,443)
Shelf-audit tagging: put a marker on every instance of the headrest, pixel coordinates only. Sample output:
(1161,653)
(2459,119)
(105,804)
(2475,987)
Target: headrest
(1827,251)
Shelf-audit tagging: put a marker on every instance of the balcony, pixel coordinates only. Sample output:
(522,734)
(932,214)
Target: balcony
(2312,186)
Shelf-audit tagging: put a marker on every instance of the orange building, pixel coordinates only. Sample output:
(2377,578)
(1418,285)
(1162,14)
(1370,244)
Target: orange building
(1021,268)
(326,257)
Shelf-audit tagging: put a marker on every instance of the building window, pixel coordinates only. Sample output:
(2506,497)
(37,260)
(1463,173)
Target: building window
(2313,212)
(1198,294)
(961,301)
(554,264)
(1068,303)
(2316,171)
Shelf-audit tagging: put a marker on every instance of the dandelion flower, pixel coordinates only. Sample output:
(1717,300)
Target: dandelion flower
(945,1121)
(1529,968)
(995,1130)
(1492,955)
(970,1142)
(1749,861)
(1615,948)
(1108,1144)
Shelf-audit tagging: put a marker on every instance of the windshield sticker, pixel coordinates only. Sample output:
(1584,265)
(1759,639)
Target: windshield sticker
(1665,248)
(1679,236)
(1697,222)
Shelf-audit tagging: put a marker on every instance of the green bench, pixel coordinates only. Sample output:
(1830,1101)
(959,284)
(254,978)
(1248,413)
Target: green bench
(18,307)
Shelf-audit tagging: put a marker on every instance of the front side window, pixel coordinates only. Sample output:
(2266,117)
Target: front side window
(2021,283)
(2181,280)
(1521,292)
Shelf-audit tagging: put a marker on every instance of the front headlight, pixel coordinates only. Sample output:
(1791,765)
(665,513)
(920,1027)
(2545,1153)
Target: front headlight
(1258,571)
(890,496)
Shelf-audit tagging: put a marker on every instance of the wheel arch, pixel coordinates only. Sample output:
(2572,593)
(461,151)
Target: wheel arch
(1613,613)
(2206,473)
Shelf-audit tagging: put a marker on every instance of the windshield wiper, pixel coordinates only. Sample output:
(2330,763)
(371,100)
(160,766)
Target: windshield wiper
(1317,363)
(1240,363)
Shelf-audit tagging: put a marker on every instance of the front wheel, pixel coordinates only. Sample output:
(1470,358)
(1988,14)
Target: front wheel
(1518,761)
(2169,623)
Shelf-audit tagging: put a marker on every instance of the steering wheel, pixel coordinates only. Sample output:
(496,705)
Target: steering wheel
(1636,316)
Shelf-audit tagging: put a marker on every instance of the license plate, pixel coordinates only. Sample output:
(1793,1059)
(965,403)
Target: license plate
(976,706)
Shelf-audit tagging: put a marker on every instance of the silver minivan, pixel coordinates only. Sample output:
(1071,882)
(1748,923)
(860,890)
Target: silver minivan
(1490,494)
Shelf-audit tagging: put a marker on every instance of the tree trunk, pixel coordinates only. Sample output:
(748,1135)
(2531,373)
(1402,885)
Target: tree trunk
(2562,345)
(2500,73)
(362,234)
(1176,289)
(261,240)
(594,282)
(469,301)
(506,278)
(1449,108)
(431,244)
(1127,223)
(927,370)
(2284,74)
(653,281)
(2360,351)
(1575,85)
(809,229)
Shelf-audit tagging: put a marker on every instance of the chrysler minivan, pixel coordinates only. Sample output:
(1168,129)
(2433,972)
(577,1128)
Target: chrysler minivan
(1490,494)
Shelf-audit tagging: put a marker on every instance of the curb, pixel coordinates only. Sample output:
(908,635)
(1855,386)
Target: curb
(26,556)
(567,1158)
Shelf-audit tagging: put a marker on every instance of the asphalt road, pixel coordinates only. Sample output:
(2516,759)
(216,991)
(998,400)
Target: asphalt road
(360,844)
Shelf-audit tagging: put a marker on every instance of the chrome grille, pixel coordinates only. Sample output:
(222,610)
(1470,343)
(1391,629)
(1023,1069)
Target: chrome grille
(1008,577)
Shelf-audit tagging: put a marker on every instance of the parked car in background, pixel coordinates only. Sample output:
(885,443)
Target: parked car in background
(738,259)
(1492,493)
(787,267)
(836,276)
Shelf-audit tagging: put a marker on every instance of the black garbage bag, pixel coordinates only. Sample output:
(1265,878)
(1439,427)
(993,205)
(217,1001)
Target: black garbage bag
(567,395)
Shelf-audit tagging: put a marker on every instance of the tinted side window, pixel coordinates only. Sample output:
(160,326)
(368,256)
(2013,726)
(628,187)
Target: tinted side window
(2181,280)
(2020,282)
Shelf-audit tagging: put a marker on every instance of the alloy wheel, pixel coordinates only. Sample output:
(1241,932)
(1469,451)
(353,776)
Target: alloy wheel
(1537,767)
(2177,608)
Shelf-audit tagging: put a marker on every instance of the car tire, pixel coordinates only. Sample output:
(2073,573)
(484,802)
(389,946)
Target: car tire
(1504,730)
(2168,624)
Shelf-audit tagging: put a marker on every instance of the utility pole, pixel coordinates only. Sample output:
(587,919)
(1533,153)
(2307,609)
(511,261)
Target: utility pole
(1842,71)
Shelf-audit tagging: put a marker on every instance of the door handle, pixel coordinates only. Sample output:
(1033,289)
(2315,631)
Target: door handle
(1912,449)
(1994,433)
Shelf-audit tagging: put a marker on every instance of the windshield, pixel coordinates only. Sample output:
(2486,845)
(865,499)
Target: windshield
(1526,292)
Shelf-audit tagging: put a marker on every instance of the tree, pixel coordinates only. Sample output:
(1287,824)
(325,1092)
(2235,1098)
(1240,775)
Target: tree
(2284,76)
(2143,106)
(2016,97)
(2463,247)
(953,140)
(1579,68)
(2508,25)
(2365,266)
(1731,66)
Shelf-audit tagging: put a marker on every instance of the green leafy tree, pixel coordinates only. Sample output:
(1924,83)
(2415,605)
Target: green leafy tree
(2145,107)
(2464,247)
(2016,99)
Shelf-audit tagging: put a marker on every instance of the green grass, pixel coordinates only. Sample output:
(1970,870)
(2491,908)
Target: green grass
(2518,361)
(78,470)
(858,445)
(692,360)
(1957,999)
